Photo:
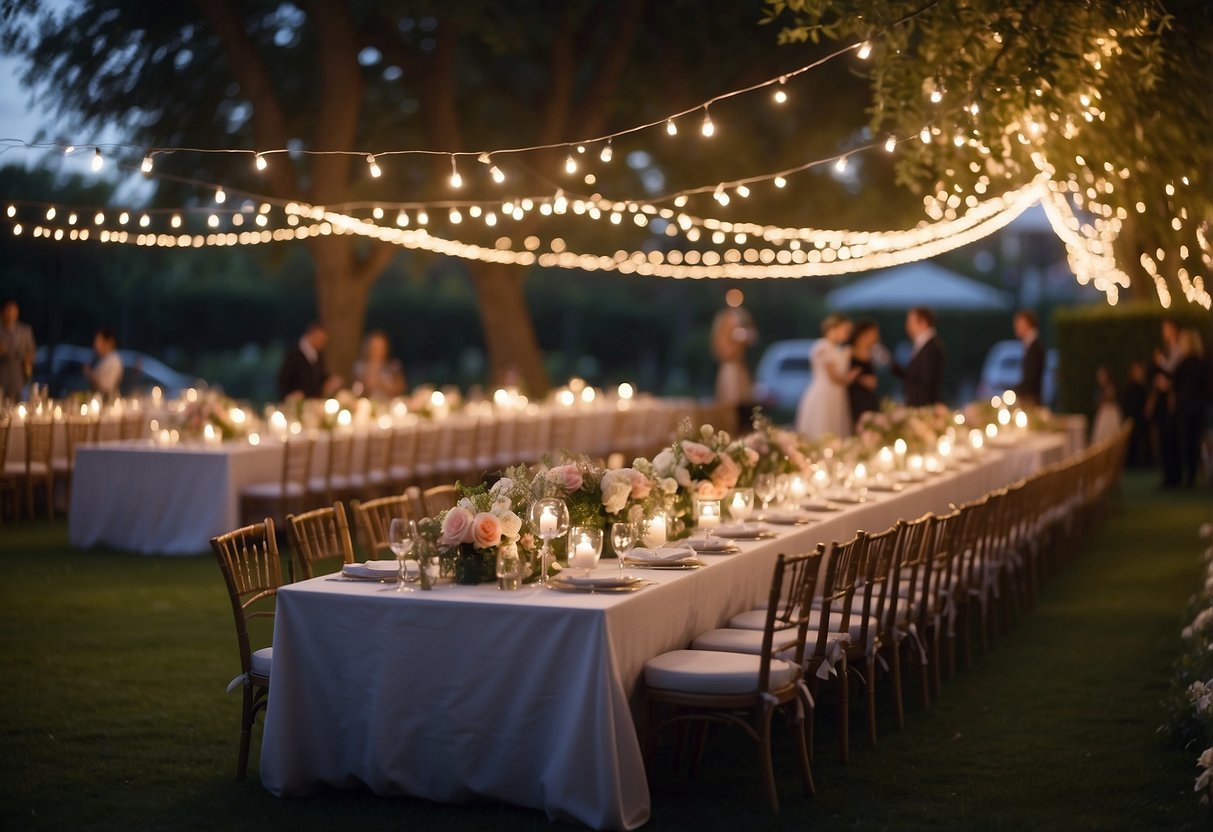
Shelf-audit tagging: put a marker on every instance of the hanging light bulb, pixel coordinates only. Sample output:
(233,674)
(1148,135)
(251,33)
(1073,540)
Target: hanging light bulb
(490,219)
(456,217)
(422,217)
(890,144)
(175,222)
(259,162)
(69,150)
(145,221)
(925,136)
(781,94)
(373,166)
(50,213)
(670,127)
(570,164)
(402,218)
(780,182)
(865,51)
(607,153)
(708,129)
(743,191)
(220,195)
(146,167)
(841,164)
(720,195)
(456,180)
(497,175)
(98,162)
(936,96)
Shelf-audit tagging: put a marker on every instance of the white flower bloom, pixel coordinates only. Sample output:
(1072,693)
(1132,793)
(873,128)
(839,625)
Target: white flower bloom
(663,463)
(616,488)
(503,486)
(669,486)
(706,431)
(467,504)
(682,476)
(511,524)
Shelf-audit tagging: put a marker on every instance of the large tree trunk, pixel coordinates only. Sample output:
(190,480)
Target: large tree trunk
(509,333)
(342,291)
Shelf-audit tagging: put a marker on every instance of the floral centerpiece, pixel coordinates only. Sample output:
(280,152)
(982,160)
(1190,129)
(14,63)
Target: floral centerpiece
(919,427)
(775,450)
(225,416)
(704,463)
(468,535)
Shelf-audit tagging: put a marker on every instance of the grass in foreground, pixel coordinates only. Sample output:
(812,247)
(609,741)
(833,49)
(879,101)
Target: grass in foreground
(115,717)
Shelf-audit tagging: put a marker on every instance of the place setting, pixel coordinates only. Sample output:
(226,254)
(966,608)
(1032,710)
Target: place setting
(583,573)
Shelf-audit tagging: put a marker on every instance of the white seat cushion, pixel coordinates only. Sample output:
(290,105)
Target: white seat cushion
(272,489)
(756,620)
(750,641)
(712,672)
(261,660)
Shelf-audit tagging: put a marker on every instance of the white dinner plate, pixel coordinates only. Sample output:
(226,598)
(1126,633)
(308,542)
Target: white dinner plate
(743,532)
(600,581)
(785,518)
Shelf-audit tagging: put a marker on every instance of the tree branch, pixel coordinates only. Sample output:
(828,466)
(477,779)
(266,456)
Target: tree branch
(341,94)
(250,72)
(592,116)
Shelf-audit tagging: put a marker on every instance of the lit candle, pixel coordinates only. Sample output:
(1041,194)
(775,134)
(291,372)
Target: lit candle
(254,439)
(208,434)
(899,448)
(738,506)
(583,553)
(861,474)
(655,532)
(547,522)
(796,488)
(977,439)
(916,463)
(1021,420)
(991,430)
(709,515)
(885,459)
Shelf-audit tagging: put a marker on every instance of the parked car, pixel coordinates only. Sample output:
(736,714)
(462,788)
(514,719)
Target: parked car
(1003,369)
(61,369)
(783,374)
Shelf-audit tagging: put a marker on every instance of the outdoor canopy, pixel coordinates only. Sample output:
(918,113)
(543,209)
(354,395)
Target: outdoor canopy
(917,284)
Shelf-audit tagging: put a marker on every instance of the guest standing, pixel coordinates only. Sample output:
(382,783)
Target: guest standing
(16,351)
(1031,379)
(303,373)
(923,374)
(824,408)
(862,390)
(732,333)
(1133,406)
(1108,417)
(1190,385)
(105,374)
(377,375)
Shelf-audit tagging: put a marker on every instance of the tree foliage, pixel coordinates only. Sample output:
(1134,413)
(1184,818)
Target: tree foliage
(1112,99)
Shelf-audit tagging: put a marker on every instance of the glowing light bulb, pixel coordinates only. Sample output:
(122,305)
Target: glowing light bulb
(146,167)
(497,175)
(220,195)
(175,222)
(570,164)
(145,221)
(841,164)
(456,180)
(890,144)
(708,129)
(98,162)
(456,217)
(936,96)
(259,162)
(607,153)
(780,182)
(865,51)
(670,127)
(422,217)
(373,166)
(402,219)
(743,191)
(925,136)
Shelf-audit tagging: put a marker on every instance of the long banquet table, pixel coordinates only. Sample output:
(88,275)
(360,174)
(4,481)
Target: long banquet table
(524,697)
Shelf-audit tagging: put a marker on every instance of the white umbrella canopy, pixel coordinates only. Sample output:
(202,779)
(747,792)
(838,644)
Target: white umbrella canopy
(917,284)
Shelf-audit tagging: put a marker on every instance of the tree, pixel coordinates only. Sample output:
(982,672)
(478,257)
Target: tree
(1110,99)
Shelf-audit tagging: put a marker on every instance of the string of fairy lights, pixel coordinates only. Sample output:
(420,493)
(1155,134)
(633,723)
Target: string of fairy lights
(1078,211)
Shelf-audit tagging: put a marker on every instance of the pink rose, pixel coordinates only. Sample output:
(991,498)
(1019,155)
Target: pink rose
(726,473)
(641,485)
(565,476)
(708,490)
(456,527)
(486,530)
(696,453)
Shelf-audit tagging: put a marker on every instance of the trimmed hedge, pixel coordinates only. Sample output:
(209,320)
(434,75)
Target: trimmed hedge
(1088,336)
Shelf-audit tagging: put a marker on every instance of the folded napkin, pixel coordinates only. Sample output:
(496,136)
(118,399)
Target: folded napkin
(678,551)
(712,544)
(376,569)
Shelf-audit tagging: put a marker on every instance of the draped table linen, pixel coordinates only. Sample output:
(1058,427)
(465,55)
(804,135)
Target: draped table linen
(525,697)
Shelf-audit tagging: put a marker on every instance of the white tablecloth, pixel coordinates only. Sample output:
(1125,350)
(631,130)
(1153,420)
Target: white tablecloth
(524,697)
(159,500)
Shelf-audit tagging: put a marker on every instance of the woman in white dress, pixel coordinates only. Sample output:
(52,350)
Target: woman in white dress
(824,408)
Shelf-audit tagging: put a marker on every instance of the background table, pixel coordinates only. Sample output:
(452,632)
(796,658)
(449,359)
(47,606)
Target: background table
(163,500)
(523,697)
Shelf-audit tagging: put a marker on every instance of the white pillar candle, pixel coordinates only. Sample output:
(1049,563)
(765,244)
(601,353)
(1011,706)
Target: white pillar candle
(655,532)
(547,522)
(583,553)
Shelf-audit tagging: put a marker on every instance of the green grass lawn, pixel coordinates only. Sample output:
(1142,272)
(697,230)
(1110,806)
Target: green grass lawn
(114,713)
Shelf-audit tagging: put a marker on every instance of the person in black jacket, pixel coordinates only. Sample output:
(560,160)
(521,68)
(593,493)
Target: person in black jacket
(861,392)
(303,373)
(1031,379)
(1133,406)
(923,374)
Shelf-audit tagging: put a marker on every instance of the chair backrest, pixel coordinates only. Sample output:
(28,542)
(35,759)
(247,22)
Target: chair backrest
(39,444)
(131,425)
(318,535)
(248,558)
(373,517)
(402,451)
(77,431)
(911,570)
(375,451)
(879,591)
(5,422)
(296,465)
(439,498)
(788,610)
(340,457)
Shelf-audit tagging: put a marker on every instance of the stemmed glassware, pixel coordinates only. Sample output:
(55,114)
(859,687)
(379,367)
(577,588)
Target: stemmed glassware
(550,520)
(655,532)
(740,504)
(707,517)
(623,538)
(402,537)
(764,489)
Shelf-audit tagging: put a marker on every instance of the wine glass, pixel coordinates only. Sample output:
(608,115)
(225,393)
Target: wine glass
(585,547)
(623,537)
(401,536)
(550,520)
(764,489)
(740,504)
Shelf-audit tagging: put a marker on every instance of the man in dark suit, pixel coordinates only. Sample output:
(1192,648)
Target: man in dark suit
(923,375)
(1032,376)
(303,373)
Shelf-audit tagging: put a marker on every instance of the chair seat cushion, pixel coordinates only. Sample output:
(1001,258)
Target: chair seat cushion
(756,620)
(272,489)
(712,672)
(728,640)
(261,660)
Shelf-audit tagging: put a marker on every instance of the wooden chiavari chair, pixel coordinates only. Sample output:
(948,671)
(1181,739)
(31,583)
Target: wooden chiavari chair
(372,519)
(77,431)
(439,498)
(10,476)
(333,481)
(39,463)
(318,535)
(287,494)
